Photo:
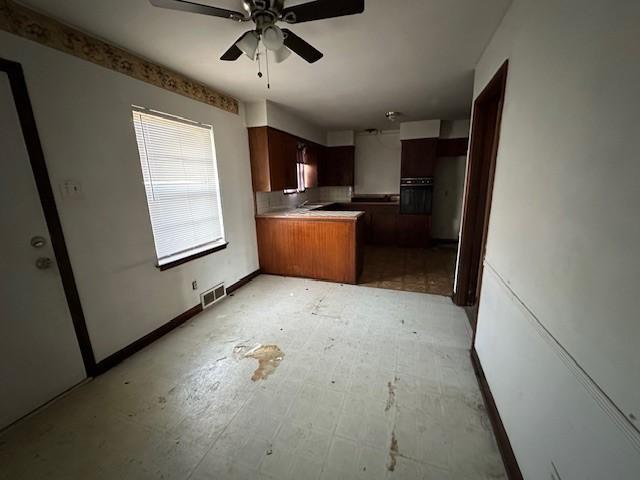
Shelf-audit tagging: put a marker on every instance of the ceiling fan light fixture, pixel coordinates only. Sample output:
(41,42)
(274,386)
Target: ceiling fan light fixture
(249,44)
(273,38)
(281,55)
(392,116)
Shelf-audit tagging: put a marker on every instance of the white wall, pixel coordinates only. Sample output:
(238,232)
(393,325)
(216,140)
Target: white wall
(377,162)
(255,114)
(448,188)
(265,112)
(455,128)
(558,323)
(420,129)
(83,113)
(341,138)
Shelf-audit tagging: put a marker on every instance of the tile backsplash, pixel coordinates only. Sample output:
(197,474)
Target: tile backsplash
(266,201)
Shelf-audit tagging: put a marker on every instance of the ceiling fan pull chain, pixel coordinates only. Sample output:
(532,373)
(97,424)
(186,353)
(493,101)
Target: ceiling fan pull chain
(266,52)
(259,67)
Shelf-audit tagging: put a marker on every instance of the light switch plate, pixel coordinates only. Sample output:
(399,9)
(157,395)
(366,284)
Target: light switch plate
(71,189)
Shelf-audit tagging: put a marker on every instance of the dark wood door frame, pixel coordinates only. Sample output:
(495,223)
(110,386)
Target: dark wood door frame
(47,200)
(485,136)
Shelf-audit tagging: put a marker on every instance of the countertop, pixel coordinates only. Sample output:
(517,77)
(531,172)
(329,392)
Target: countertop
(392,204)
(311,212)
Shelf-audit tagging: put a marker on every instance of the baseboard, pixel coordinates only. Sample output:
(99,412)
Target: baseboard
(117,357)
(508,457)
(243,281)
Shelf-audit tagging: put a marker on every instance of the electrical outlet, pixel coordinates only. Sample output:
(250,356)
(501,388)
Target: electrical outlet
(194,285)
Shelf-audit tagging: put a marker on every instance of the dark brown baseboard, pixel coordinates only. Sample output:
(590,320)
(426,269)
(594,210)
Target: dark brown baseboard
(508,457)
(115,358)
(243,281)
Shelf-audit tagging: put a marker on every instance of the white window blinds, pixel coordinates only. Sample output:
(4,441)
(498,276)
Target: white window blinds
(181,181)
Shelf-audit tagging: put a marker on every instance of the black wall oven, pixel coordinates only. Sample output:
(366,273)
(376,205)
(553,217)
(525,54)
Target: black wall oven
(416,196)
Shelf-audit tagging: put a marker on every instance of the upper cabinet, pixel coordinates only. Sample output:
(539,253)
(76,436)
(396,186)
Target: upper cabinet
(273,159)
(311,153)
(337,167)
(452,147)
(275,156)
(418,157)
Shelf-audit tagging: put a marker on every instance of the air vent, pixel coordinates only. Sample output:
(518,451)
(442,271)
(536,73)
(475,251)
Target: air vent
(212,295)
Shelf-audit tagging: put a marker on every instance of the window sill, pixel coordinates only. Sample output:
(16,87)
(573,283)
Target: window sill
(193,256)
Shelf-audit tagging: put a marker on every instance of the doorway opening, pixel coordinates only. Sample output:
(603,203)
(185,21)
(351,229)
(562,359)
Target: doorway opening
(485,136)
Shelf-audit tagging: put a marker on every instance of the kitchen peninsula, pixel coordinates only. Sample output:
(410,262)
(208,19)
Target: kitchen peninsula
(312,242)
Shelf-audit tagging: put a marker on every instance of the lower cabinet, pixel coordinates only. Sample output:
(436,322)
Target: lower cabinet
(320,248)
(384,225)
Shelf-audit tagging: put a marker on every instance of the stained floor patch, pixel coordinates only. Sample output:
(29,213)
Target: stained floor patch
(392,394)
(393,452)
(268,356)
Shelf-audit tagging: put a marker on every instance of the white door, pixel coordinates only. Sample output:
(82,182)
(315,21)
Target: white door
(39,353)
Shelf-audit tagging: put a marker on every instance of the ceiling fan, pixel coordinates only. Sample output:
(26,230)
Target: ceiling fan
(265,14)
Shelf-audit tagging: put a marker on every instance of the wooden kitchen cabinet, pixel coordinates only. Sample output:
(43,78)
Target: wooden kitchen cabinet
(452,147)
(273,159)
(384,225)
(336,167)
(383,229)
(311,153)
(323,248)
(418,157)
(414,230)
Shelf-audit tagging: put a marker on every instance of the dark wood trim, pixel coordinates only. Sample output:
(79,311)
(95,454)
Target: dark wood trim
(124,353)
(115,358)
(242,282)
(485,137)
(182,261)
(508,457)
(43,185)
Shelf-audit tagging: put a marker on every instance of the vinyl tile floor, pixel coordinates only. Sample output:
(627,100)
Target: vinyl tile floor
(365,383)
(424,270)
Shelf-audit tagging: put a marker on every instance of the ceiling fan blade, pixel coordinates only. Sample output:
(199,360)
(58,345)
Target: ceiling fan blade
(321,9)
(299,46)
(192,7)
(232,54)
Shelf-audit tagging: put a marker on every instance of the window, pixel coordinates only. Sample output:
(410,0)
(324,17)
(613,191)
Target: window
(180,175)
(299,173)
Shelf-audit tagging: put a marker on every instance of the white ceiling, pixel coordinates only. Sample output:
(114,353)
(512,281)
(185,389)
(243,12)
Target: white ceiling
(412,56)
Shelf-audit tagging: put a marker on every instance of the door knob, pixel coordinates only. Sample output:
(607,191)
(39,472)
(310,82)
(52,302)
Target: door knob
(43,263)
(38,242)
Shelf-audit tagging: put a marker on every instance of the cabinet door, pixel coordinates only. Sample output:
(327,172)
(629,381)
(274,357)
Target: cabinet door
(259,156)
(413,230)
(337,167)
(283,154)
(418,157)
(384,225)
(311,155)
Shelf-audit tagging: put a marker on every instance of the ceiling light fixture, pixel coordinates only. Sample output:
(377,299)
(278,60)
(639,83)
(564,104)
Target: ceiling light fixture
(248,43)
(281,55)
(273,38)
(392,116)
